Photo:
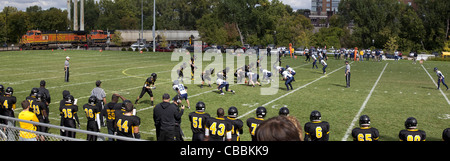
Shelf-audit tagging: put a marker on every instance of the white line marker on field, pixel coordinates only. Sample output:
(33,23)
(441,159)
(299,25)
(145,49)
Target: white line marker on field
(349,130)
(445,96)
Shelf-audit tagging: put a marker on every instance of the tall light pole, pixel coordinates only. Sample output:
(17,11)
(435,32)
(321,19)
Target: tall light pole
(154,23)
(142,22)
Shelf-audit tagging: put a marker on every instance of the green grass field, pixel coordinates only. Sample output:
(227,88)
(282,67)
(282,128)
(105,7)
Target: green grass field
(403,90)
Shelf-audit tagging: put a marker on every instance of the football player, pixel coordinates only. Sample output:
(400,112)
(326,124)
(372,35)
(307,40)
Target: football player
(316,130)
(254,122)
(180,72)
(411,133)
(365,132)
(236,124)
(110,111)
(69,115)
(218,129)
(440,78)
(40,108)
(314,61)
(92,111)
(198,120)
(288,79)
(222,83)
(253,79)
(154,76)
(8,102)
(284,111)
(127,124)
(324,64)
(182,91)
(32,97)
(266,75)
(446,134)
(193,67)
(146,89)
(206,76)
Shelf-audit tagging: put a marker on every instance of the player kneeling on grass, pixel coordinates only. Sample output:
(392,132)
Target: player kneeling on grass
(92,115)
(181,90)
(411,133)
(222,83)
(316,130)
(365,132)
(198,120)
(127,124)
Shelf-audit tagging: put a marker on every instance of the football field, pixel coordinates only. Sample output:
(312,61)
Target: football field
(388,92)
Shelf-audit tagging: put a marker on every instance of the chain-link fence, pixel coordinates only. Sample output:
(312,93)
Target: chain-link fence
(10,132)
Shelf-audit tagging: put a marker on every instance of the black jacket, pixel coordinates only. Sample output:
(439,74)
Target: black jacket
(166,115)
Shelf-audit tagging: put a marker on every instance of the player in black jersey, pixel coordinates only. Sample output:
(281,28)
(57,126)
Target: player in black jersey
(253,123)
(206,76)
(365,132)
(154,76)
(411,133)
(146,89)
(316,130)
(237,124)
(69,115)
(8,102)
(127,124)
(109,112)
(218,129)
(40,108)
(93,122)
(198,120)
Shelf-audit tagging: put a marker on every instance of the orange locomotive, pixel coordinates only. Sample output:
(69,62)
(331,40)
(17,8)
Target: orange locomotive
(35,39)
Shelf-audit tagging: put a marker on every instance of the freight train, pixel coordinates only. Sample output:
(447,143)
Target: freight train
(35,39)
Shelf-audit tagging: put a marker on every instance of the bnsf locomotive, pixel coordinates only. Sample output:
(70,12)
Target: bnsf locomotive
(35,39)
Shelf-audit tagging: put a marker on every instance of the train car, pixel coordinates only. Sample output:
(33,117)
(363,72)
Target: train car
(35,39)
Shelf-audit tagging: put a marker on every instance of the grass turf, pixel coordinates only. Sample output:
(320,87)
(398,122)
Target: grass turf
(403,90)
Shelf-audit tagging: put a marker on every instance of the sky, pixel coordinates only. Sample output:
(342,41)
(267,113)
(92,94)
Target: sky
(62,4)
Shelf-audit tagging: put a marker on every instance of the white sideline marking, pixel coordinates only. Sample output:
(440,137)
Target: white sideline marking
(445,96)
(349,129)
(292,91)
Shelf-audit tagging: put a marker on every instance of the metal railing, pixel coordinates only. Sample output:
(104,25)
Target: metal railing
(11,133)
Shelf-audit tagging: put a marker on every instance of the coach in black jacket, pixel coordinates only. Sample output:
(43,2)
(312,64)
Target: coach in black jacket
(165,116)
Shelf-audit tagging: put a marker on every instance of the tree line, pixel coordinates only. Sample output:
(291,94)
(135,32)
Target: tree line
(359,23)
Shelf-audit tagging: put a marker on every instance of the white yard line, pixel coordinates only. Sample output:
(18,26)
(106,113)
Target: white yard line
(349,129)
(276,99)
(443,94)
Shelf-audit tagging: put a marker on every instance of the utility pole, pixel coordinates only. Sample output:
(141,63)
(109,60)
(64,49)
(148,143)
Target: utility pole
(154,23)
(142,22)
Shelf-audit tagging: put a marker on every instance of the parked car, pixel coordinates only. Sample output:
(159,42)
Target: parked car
(139,46)
(163,49)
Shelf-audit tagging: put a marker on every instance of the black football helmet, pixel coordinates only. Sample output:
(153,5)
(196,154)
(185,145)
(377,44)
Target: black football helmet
(39,97)
(283,111)
(200,106)
(34,92)
(9,91)
(127,106)
(2,89)
(411,122)
(232,111)
(70,99)
(92,100)
(364,120)
(261,112)
(154,75)
(315,116)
